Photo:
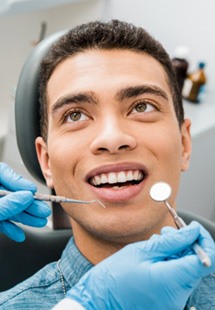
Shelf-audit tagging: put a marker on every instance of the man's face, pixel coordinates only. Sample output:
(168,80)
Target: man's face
(112,134)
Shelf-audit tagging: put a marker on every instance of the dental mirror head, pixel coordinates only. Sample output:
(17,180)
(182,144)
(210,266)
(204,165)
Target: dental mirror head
(160,191)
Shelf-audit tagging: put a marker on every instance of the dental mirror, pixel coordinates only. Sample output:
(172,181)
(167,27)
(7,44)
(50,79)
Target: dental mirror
(160,191)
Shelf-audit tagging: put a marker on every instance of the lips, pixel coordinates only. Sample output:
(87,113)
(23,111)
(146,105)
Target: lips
(117,183)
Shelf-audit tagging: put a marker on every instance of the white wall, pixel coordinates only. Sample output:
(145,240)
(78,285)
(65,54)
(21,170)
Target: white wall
(16,37)
(173,23)
(197,192)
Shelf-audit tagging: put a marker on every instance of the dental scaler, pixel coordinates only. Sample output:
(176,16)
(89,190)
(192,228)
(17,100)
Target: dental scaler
(58,199)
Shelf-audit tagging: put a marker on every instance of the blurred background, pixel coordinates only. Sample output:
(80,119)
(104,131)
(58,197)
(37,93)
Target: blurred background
(175,23)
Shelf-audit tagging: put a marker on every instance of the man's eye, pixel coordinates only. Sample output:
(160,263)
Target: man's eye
(75,116)
(143,107)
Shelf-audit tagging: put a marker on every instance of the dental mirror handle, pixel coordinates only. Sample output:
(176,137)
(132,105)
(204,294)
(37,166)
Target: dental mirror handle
(196,247)
(177,219)
(180,222)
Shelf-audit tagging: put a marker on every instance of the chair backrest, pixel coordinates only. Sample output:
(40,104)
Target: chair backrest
(27,105)
(19,261)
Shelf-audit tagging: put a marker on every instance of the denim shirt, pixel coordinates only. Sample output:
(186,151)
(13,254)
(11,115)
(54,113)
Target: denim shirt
(45,289)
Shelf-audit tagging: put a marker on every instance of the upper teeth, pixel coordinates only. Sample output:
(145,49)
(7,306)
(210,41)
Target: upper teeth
(117,177)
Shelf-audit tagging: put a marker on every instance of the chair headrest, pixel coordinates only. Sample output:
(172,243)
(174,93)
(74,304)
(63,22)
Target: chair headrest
(27,106)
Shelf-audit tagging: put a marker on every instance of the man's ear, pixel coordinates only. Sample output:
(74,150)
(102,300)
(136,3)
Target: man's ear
(186,144)
(43,157)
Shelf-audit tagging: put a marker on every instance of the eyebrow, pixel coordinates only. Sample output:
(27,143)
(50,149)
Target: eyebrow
(73,98)
(122,94)
(134,91)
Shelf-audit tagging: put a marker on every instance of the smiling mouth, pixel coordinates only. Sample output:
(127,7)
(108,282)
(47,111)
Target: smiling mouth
(117,180)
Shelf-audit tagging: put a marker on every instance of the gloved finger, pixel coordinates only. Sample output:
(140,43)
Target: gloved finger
(167,229)
(188,250)
(207,243)
(154,237)
(29,220)
(12,231)
(14,204)
(204,236)
(171,243)
(188,269)
(14,182)
(204,240)
(39,209)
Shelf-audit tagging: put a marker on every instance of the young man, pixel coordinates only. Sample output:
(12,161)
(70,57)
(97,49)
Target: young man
(127,279)
(112,125)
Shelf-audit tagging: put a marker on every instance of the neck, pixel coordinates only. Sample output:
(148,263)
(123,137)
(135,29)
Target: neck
(96,249)
(91,247)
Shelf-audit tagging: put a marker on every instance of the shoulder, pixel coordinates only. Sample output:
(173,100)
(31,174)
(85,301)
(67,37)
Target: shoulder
(33,292)
(203,297)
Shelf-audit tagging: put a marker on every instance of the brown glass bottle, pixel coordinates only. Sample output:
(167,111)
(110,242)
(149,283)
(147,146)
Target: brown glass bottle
(194,84)
(180,65)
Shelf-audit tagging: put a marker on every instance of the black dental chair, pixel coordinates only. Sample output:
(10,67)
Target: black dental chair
(18,261)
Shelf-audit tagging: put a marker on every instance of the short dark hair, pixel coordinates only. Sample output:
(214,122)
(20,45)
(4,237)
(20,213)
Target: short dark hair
(114,34)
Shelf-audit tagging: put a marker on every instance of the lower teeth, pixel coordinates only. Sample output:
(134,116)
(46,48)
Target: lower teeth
(116,187)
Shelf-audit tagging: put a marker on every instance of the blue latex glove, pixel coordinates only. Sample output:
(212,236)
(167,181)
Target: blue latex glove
(160,273)
(19,206)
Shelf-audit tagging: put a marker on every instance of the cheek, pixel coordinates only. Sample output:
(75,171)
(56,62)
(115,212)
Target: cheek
(60,161)
(170,159)
(166,147)
(66,154)
(165,137)
(64,150)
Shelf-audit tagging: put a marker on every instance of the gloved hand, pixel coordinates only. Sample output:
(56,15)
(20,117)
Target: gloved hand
(19,206)
(160,273)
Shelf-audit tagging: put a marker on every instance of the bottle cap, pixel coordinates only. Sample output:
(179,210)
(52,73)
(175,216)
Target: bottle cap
(201,65)
(182,52)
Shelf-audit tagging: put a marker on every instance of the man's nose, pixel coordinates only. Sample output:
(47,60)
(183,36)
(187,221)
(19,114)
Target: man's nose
(113,137)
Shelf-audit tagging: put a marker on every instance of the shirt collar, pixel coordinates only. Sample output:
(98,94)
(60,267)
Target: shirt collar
(73,264)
